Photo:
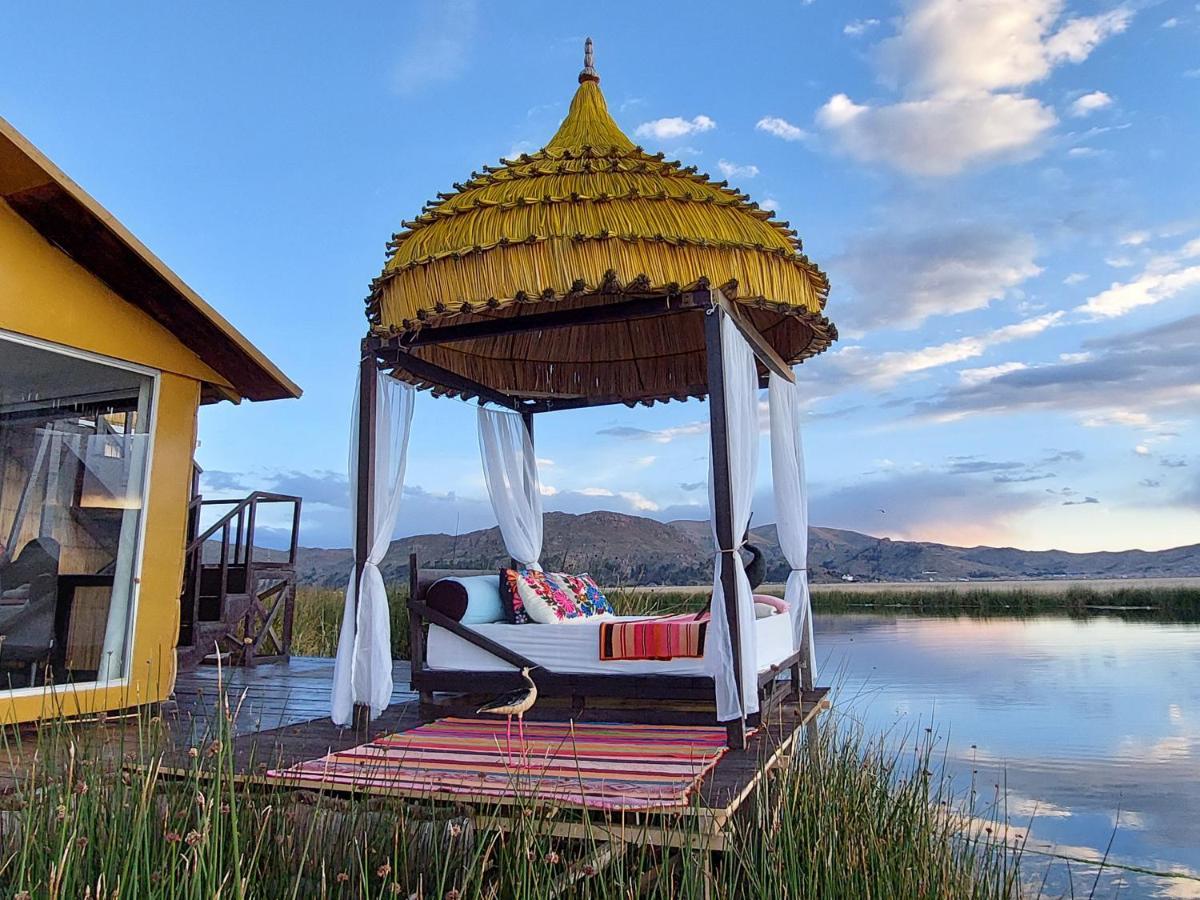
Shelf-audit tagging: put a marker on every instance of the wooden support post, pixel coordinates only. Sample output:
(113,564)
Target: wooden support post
(416,629)
(364,501)
(723,504)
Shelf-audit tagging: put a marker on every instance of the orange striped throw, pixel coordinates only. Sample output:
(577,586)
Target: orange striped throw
(661,637)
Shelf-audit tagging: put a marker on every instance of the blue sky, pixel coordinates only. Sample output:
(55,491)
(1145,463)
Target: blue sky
(1006,196)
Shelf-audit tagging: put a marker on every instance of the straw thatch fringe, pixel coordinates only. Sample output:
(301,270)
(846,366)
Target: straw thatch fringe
(591,217)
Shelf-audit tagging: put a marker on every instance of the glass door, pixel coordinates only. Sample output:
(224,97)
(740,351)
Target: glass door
(74,438)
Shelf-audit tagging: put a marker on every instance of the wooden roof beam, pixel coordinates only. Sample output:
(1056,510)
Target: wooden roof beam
(597,314)
(399,358)
(762,348)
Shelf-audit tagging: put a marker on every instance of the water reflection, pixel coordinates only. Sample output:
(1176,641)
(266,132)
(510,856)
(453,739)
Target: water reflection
(1087,723)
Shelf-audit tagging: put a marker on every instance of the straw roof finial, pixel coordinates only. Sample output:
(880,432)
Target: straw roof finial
(589,70)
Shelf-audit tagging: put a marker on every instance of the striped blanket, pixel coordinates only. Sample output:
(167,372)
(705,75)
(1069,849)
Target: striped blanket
(661,637)
(593,765)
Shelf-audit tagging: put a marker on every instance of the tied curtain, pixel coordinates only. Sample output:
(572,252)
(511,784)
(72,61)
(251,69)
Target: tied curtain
(510,470)
(362,672)
(742,434)
(791,507)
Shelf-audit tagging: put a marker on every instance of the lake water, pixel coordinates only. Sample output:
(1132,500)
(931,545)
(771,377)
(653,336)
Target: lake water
(1090,724)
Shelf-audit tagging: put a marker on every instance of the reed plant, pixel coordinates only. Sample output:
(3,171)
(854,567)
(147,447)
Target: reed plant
(1159,604)
(154,808)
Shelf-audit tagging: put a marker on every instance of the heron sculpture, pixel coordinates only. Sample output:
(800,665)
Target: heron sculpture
(514,703)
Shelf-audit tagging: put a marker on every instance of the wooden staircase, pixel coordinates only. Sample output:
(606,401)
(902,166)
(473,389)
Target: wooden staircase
(238,599)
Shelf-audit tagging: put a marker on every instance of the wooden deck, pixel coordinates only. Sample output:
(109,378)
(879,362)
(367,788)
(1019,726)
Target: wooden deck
(279,713)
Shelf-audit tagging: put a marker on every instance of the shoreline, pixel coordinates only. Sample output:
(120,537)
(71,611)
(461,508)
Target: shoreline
(1030,585)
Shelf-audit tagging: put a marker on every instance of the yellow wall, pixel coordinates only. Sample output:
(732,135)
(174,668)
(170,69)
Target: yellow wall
(44,294)
(42,290)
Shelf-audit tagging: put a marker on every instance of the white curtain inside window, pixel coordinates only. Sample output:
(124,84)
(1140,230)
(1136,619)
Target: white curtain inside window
(791,506)
(363,670)
(129,450)
(510,470)
(741,412)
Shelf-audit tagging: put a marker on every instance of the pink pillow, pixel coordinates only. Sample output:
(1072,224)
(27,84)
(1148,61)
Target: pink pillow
(774,602)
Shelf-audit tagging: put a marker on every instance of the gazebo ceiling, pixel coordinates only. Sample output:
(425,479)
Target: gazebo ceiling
(592,219)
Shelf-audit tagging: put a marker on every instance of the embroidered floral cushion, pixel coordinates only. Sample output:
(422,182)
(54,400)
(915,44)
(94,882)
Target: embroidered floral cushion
(589,599)
(549,598)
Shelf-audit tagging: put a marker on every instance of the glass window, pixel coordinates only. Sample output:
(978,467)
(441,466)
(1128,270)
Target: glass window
(74,435)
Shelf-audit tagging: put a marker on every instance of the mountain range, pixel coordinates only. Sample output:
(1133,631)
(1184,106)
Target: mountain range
(619,549)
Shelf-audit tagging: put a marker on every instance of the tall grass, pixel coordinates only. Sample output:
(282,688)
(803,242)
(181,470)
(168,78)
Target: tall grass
(1149,604)
(94,814)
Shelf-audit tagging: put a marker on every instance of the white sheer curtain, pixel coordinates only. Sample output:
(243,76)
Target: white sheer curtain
(791,506)
(362,672)
(510,470)
(741,415)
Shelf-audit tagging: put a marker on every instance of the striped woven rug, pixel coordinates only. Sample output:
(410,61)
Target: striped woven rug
(593,765)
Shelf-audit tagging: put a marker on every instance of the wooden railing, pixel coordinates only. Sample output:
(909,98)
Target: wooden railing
(235,591)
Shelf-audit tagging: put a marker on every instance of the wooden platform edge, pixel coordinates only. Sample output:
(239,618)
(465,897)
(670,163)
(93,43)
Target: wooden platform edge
(618,825)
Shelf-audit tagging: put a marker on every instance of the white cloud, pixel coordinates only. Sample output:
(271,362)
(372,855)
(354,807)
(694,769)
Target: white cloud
(1172,22)
(1135,238)
(937,136)
(1132,380)
(959,68)
(899,280)
(769,203)
(660,436)
(1074,357)
(639,501)
(1083,152)
(1075,278)
(595,492)
(973,377)
(547,490)
(1119,417)
(859,27)
(884,370)
(674,127)
(1089,103)
(948,46)
(1165,276)
(781,128)
(734,170)
(519,147)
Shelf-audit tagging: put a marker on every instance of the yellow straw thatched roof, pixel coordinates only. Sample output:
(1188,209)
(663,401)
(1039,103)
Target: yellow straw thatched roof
(592,215)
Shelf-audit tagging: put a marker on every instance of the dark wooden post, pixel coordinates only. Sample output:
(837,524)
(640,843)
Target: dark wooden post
(364,501)
(722,505)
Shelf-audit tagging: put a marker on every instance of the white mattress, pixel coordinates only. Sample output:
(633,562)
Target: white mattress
(575,648)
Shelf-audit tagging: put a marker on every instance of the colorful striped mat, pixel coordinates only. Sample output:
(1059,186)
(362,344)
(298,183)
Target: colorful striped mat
(660,637)
(593,765)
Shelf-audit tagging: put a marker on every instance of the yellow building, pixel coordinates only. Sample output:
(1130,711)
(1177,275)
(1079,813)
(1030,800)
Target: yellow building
(105,358)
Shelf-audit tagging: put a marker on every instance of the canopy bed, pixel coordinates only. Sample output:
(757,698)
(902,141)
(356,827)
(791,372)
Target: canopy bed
(588,273)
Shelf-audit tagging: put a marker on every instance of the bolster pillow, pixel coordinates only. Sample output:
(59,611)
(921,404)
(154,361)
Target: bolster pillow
(472,600)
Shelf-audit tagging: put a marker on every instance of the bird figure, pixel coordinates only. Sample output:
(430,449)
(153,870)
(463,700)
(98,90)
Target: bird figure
(514,703)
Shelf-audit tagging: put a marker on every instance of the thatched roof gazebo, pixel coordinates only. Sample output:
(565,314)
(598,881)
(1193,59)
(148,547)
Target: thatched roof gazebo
(588,273)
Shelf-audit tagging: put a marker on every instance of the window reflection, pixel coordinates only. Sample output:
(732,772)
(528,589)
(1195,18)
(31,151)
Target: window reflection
(73,444)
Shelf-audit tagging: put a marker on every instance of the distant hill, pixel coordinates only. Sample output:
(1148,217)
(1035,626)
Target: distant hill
(619,549)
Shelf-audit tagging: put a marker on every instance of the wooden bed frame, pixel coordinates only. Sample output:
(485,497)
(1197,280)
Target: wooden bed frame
(582,690)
